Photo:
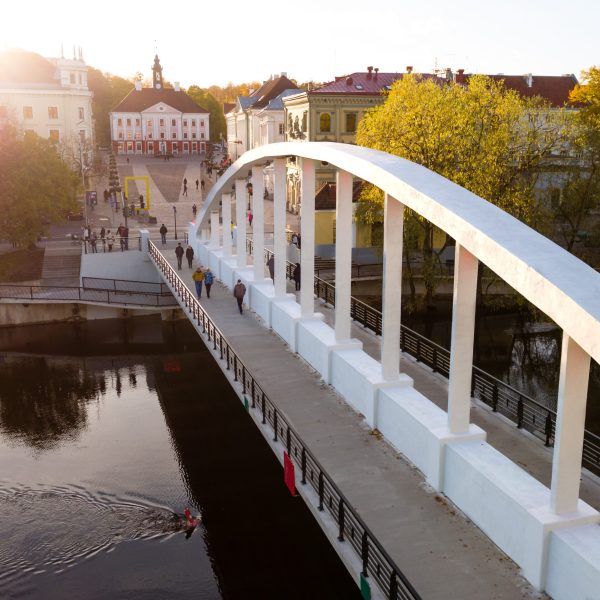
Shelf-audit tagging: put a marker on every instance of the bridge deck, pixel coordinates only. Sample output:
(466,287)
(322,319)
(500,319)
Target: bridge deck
(439,550)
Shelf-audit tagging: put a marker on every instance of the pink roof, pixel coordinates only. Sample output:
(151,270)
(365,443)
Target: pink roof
(363,83)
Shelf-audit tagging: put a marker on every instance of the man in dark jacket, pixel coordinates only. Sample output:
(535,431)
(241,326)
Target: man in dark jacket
(179,255)
(163,233)
(189,254)
(239,291)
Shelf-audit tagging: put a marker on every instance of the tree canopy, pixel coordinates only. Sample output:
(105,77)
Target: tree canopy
(36,187)
(205,99)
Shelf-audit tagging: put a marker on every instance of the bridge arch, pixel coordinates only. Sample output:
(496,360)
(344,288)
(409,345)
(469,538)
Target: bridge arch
(559,284)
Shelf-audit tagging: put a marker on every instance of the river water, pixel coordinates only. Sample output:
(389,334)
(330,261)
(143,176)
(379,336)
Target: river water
(108,430)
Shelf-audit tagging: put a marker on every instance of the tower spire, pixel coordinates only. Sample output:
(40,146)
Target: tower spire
(157,79)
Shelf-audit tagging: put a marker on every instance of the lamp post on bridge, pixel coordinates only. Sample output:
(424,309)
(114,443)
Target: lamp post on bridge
(175,217)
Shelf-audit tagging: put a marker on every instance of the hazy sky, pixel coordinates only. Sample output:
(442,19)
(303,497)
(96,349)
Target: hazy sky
(214,42)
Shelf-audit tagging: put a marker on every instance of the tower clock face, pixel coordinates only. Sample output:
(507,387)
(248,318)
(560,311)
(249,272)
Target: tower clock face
(158,86)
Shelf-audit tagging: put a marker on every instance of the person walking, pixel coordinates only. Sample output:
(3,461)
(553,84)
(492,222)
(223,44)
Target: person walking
(194,210)
(271,265)
(239,292)
(110,240)
(202,184)
(179,255)
(198,278)
(93,240)
(189,254)
(185,186)
(209,279)
(250,218)
(197,184)
(296,276)
(163,233)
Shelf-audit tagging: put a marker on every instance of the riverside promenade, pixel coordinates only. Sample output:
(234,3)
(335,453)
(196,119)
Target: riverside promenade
(440,551)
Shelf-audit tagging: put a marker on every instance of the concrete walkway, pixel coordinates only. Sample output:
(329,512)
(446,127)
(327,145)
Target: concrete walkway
(441,552)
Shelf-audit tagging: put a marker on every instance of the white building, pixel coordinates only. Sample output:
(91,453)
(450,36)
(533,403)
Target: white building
(244,121)
(159,121)
(49,97)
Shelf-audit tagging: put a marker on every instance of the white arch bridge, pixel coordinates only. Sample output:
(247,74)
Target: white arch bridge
(552,534)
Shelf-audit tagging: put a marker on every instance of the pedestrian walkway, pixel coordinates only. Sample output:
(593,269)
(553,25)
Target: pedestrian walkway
(435,546)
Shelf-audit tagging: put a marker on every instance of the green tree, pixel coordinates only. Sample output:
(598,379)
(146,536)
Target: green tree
(218,127)
(481,136)
(36,187)
(108,91)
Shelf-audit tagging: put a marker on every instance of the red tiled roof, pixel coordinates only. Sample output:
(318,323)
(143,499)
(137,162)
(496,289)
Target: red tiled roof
(137,101)
(368,84)
(554,88)
(228,107)
(325,197)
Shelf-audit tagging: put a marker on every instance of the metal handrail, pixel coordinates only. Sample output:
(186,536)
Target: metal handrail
(377,563)
(125,285)
(520,408)
(51,293)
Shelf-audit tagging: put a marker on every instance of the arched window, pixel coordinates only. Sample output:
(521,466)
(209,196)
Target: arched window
(325,122)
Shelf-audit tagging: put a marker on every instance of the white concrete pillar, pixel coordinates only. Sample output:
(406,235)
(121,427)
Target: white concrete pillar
(279,241)
(144,238)
(461,344)
(226,228)
(258,222)
(214,228)
(393,228)
(570,425)
(240,221)
(343,255)
(307,238)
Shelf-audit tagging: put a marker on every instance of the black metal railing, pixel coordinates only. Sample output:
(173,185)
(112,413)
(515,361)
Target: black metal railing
(118,244)
(377,563)
(523,410)
(124,285)
(49,293)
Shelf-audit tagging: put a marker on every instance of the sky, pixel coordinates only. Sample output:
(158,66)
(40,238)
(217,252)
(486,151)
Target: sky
(206,43)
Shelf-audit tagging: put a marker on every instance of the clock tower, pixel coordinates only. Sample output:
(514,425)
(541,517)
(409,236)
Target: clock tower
(157,80)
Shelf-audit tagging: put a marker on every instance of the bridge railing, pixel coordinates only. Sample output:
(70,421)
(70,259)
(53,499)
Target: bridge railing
(376,561)
(124,285)
(501,397)
(103,296)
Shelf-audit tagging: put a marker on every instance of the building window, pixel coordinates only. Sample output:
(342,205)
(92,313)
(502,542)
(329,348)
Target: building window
(162,136)
(53,112)
(173,123)
(81,113)
(193,136)
(149,124)
(138,136)
(174,136)
(281,129)
(128,122)
(351,122)
(54,135)
(120,135)
(201,123)
(72,78)
(325,122)
(149,135)
(129,136)
(193,122)
(28,112)
(185,122)
(137,122)
(82,135)
(119,122)
(201,136)
(161,122)
(185,136)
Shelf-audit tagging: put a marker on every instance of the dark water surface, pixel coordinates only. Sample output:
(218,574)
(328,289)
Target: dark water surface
(107,432)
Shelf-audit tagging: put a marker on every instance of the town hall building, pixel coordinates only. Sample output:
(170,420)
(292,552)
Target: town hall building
(159,120)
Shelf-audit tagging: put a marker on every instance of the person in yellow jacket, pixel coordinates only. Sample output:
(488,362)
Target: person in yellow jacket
(198,278)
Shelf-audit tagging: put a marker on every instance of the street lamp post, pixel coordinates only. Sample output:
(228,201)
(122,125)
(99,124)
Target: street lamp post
(175,217)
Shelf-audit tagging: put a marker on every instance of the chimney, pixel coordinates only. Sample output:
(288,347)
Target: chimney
(370,72)
(376,69)
(176,86)
(529,80)
(283,73)
(349,81)
(138,86)
(448,74)
(460,76)
(409,69)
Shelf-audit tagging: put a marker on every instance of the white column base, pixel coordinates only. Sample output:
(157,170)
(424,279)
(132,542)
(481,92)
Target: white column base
(286,314)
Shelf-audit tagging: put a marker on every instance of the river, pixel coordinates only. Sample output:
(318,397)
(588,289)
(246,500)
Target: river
(108,431)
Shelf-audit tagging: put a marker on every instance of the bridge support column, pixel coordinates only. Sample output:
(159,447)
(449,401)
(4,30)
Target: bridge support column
(258,222)
(461,345)
(144,237)
(226,229)
(214,228)
(307,237)
(240,219)
(570,426)
(343,255)
(279,227)
(393,225)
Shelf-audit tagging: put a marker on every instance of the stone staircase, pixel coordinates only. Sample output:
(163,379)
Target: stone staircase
(62,263)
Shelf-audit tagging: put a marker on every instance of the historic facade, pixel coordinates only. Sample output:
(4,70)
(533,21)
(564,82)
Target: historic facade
(159,120)
(49,97)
